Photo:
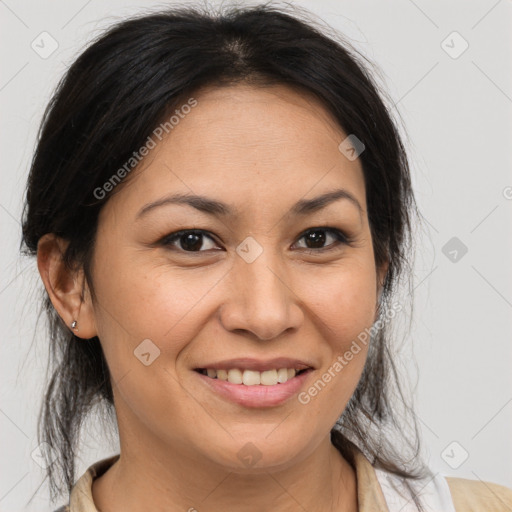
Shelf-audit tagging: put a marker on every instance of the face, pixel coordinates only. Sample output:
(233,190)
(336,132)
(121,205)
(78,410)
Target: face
(267,281)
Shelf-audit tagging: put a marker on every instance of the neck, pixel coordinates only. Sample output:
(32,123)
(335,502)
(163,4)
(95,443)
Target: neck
(151,477)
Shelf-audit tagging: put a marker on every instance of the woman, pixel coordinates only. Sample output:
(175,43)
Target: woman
(221,207)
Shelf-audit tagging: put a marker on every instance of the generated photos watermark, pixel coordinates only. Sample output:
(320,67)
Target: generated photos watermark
(158,133)
(343,359)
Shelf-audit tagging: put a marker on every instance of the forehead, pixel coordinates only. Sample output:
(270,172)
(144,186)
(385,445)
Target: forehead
(257,147)
(252,122)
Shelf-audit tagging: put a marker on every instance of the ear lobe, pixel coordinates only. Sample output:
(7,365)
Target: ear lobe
(67,288)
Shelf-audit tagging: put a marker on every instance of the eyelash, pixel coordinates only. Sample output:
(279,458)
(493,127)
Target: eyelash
(339,236)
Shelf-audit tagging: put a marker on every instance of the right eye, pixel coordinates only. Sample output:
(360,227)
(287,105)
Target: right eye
(191,240)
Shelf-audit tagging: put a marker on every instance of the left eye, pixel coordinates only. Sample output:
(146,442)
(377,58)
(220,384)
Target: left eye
(315,238)
(193,240)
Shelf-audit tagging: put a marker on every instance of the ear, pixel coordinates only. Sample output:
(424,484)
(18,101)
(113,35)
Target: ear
(66,288)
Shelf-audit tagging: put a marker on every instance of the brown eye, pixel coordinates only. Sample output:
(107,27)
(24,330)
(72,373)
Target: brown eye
(317,237)
(187,240)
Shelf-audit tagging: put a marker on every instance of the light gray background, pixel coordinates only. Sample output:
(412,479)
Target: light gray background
(457,113)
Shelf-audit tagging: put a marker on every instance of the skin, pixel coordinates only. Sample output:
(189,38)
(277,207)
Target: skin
(259,150)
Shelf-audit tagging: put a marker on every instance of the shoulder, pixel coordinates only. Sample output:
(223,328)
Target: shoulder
(81,499)
(477,495)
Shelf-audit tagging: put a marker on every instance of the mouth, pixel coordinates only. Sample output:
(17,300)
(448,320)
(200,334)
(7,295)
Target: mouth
(253,377)
(252,388)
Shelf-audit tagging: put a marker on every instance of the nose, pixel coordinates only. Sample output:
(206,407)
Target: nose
(261,299)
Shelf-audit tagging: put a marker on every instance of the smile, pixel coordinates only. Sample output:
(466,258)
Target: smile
(254,389)
(252,377)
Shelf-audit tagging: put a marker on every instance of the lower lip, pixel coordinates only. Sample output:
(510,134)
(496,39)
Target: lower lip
(257,395)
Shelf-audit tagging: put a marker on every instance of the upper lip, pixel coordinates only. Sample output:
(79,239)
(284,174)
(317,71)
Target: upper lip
(259,365)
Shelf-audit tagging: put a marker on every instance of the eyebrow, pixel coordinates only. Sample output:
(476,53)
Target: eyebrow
(218,208)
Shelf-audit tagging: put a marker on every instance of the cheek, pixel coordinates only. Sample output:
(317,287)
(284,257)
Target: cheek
(137,302)
(344,306)
(146,316)
(344,300)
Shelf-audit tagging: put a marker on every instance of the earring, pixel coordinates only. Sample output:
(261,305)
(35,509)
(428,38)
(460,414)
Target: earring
(74,324)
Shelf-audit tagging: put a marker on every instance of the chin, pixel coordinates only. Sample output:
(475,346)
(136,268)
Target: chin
(257,453)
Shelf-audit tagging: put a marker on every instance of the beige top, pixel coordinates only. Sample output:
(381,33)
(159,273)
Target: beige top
(467,495)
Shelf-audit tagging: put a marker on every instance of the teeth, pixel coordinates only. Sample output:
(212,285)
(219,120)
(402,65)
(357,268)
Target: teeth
(251,377)
(269,378)
(221,374)
(235,376)
(282,375)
